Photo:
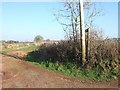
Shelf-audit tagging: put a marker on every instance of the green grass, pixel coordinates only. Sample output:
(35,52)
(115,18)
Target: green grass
(71,69)
(31,47)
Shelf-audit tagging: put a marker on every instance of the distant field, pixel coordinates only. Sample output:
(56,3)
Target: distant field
(30,47)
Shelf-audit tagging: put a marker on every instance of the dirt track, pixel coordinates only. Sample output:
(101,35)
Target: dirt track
(20,74)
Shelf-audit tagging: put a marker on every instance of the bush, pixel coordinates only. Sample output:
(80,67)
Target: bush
(66,57)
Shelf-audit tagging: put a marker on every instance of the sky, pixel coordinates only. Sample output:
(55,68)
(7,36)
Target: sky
(22,21)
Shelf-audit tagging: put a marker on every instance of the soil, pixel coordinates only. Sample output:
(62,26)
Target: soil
(17,73)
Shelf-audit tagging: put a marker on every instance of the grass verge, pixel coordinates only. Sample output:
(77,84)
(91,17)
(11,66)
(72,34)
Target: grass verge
(96,74)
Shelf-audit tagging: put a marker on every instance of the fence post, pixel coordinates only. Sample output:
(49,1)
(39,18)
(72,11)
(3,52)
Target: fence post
(88,44)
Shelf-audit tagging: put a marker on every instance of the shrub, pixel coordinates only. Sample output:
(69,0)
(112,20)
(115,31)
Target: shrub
(66,57)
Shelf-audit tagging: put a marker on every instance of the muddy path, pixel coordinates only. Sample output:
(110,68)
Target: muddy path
(17,73)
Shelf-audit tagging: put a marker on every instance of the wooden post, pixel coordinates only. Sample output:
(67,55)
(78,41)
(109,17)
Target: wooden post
(82,32)
(88,44)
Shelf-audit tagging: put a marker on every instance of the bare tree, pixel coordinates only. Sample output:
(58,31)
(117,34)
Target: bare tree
(69,18)
(71,15)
